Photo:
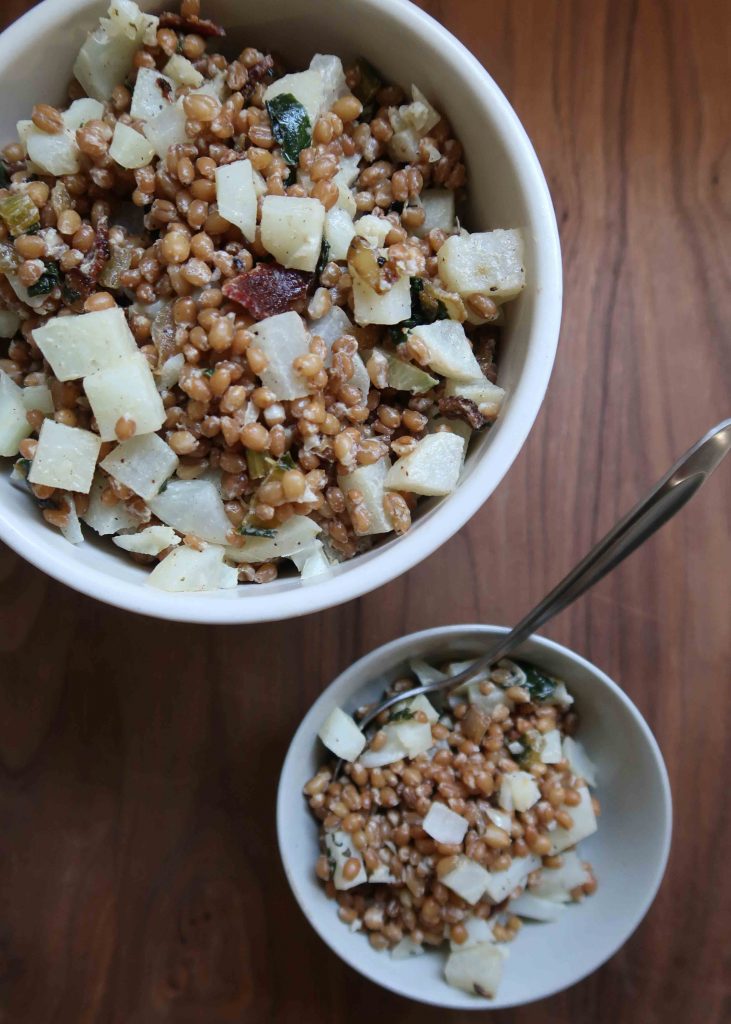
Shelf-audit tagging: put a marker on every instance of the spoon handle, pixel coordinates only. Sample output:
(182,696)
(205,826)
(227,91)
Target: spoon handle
(666,498)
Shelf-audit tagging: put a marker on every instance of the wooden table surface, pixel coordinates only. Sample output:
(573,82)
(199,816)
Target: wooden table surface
(139,878)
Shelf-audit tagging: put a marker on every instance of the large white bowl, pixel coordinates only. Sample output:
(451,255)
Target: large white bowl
(507,190)
(629,852)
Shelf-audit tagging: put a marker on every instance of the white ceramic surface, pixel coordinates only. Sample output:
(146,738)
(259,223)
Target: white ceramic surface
(507,190)
(629,852)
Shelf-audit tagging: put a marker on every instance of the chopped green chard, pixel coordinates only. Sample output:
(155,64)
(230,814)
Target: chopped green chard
(369,82)
(540,686)
(209,372)
(257,464)
(323,260)
(290,126)
(47,281)
(19,212)
(407,377)
(402,715)
(257,531)
(420,313)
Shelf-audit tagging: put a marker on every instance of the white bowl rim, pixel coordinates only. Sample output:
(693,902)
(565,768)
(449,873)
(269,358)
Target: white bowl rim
(466,633)
(361,577)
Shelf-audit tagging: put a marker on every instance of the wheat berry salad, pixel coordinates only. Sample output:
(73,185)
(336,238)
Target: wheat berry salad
(449,827)
(243,330)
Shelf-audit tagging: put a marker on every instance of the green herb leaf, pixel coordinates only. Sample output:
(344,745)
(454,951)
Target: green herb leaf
(369,82)
(286,461)
(539,685)
(420,313)
(402,715)
(46,282)
(257,531)
(4,176)
(290,126)
(23,465)
(208,373)
(323,259)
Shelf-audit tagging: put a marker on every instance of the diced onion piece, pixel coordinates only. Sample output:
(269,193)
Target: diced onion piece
(194,507)
(406,948)
(501,819)
(341,735)
(548,746)
(339,232)
(373,229)
(468,879)
(56,153)
(186,570)
(478,931)
(292,230)
(438,206)
(418,703)
(535,908)
(14,427)
(307,87)
(449,351)
(182,72)
(330,70)
(151,94)
(169,372)
(425,673)
(477,970)
(142,463)
(560,697)
(215,86)
(443,825)
(38,398)
(488,397)
(452,426)
(415,737)
(105,57)
(65,457)
(167,129)
(9,323)
(126,389)
(340,849)
(76,346)
(291,538)
(390,308)
(585,824)
(579,761)
(236,196)
(518,791)
(282,338)
(81,111)
(489,263)
(150,541)
(406,376)
(314,564)
(556,883)
(106,519)
(72,530)
(370,482)
(130,149)
(500,884)
(392,750)
(432,467)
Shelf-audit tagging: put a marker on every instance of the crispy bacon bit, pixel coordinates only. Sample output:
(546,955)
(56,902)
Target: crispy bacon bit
(165,87)
(81,282)
(484,350)
(200,26)
(457,408)
(257,73)
(268,289)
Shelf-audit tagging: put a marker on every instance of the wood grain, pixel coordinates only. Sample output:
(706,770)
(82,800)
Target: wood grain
(139,880)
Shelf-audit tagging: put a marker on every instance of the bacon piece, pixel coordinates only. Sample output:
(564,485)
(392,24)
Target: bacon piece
(268,289)
(200,26)
(257,73)
(83,279)
(457,408)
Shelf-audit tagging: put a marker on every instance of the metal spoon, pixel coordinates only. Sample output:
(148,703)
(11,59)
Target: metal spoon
(666,498)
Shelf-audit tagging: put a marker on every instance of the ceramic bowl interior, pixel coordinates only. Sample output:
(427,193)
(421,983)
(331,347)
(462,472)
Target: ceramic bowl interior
(629,851)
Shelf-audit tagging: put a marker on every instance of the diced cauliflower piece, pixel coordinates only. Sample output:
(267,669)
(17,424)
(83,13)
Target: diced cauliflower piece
(65,457)
(340,849)
(432,467)
(370,482)
(290,539)
(150,541)
(125,389)
(143,464)
(182,72)
(186,570)
(579,761)
(518,791)
(292,230)
(443,825)
(488,397)
(236,196)
(390,308)
(105,58)
(488,263)
(76,346)
(556,883)
(194,507)
(500,884)
(477,970)
(450,352)
(129,148)
(282,338)
(106,519)
(341,735)
(585,824)
(468,879)
(14,427)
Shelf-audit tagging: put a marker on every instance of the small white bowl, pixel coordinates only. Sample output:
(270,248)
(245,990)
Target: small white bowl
(507,190)
(629,852)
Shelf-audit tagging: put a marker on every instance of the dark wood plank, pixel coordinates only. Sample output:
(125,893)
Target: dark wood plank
(138,765)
